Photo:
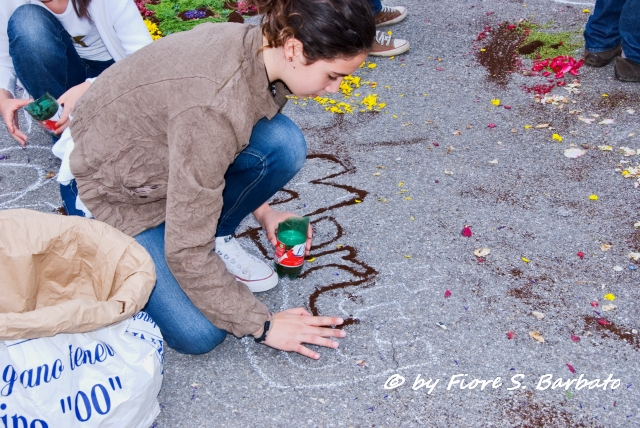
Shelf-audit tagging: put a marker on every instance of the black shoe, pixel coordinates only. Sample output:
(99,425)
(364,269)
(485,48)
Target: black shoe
(627,70)
(600,59)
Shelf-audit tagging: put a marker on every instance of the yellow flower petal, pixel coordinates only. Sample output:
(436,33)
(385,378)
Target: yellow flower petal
(593,197)
(557,137)
(401,184)
(610,296)
(311,260)
(358,201)
(495,102)
(524,259)
(527,127)
(407,256)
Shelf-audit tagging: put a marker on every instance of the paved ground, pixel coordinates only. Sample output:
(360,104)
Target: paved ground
(386,253)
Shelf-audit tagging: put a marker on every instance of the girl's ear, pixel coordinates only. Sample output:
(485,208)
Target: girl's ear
(293,51)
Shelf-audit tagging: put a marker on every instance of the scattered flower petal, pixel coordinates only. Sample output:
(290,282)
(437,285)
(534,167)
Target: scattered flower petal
(603,321)
(617,268)
(605,247)
(610,296)
(466,231)
(447,294)
(493,162)
(594,304)
(634,256)
(510,335)
(606,122)
(524,259)
(575,338)
(441,325)
(495,102)
(481,252)
(574,152)
(538,315)
(557,137)
(570,367)
(593,197)
(580,254)
(537,336)
(491,125)
(609,307)
(586,120)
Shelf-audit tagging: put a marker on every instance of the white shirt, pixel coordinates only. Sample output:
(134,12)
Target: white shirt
(84,33)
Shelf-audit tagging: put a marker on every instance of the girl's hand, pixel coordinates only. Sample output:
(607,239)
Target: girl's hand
(9,109)
(293,327)
(269,220)
(68,100)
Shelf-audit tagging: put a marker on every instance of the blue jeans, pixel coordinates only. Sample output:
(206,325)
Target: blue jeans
(376,6)
(614,22)
(43,54)
(276,152)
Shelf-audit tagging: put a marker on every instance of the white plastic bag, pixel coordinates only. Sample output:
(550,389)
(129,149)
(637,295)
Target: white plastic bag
(105,378)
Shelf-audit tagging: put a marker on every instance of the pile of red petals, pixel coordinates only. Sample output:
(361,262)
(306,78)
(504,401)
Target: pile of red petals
(559,65)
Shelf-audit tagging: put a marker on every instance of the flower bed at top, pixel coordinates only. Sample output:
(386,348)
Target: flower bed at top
(164,17)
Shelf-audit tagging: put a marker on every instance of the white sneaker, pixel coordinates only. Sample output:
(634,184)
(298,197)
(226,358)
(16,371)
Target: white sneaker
(250,270)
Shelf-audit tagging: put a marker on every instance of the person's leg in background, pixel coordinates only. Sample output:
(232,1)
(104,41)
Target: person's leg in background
(384,44)
(276,152)
(627,68)
(43,54)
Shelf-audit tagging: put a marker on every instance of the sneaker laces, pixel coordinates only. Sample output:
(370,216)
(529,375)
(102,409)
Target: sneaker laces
(387,9)
(383,38)
(233,251)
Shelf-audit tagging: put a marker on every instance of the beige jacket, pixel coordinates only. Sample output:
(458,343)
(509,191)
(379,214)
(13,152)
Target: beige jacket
(154,136)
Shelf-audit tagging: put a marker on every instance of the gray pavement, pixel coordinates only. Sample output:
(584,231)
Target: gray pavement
(388,260)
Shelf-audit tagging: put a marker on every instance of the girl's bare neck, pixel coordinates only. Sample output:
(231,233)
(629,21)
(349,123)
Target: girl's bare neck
(56,6)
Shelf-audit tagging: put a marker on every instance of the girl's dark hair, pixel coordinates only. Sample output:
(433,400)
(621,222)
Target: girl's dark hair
(327,29)
(82,8)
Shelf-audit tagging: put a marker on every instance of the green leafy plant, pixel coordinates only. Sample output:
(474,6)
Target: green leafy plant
(167,11)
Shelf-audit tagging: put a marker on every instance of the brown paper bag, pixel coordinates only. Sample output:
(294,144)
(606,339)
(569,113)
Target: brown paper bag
(62,274)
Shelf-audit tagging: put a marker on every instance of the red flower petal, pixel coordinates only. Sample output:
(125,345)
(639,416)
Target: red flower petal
(447,294)
(570,367)
(507,107)
(575,338)
(435,144)
(594,304)
(546,73)
(439,69)
(580,254)
(603,321)
(511,335)
(491,125)
(466,232)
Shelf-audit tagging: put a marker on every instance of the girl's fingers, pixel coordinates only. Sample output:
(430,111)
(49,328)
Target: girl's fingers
(329,332)
(312,339)
(303,350)
(60,128)
(320,321)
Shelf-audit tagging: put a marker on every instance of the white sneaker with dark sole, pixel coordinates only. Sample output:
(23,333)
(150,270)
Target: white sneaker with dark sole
(250,270)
